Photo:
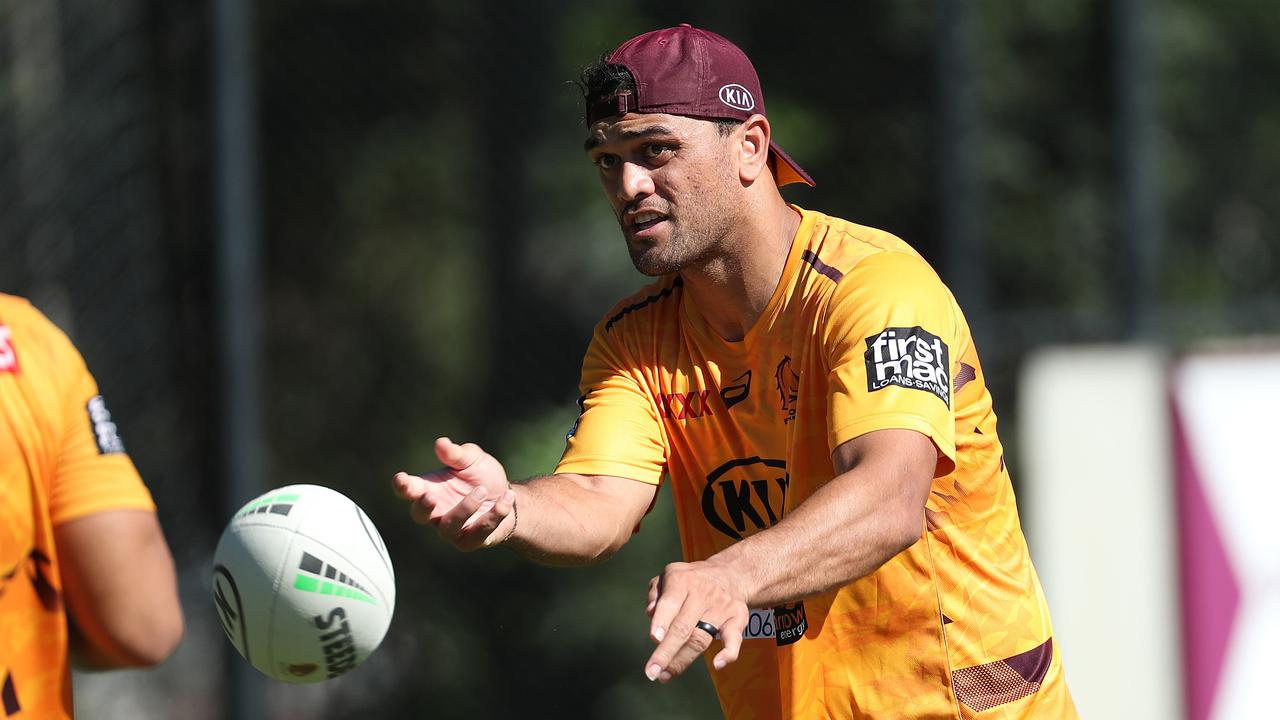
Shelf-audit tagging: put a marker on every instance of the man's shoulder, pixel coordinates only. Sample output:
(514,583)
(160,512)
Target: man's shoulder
(836,247)
(21,317)
(644,305)
(16,310)
(26,333)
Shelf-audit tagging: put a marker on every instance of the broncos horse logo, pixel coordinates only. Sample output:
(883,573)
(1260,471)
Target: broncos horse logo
(788,387)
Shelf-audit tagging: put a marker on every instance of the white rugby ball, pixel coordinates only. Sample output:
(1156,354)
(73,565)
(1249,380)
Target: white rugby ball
(303,584)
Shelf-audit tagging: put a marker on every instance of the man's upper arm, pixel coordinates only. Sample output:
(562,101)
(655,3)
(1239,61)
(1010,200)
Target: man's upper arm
(908,452)
(93,472)
(890,335)
(120,588)
(118,578)
(900,463)
(618,433)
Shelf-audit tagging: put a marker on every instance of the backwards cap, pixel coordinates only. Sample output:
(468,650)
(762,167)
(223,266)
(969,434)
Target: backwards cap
(696,73)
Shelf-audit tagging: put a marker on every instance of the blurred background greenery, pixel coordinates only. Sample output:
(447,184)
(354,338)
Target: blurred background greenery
(432,251)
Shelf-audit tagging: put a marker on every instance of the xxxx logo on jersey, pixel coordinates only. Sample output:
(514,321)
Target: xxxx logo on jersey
(697,403)
(684,405)
(746,495)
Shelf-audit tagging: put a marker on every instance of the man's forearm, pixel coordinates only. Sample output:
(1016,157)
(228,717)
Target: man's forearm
(559,521)
(844,531)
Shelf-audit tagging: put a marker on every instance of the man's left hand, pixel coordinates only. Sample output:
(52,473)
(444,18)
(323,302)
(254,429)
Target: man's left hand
(681,597)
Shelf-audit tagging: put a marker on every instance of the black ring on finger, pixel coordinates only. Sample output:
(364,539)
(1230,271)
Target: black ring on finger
(708,628)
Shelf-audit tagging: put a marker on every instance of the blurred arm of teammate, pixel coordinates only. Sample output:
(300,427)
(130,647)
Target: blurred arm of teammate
(120,589)
(872,510)
(563,519)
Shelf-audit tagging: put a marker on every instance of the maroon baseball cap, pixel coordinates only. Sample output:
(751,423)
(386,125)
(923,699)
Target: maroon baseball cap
(696,73)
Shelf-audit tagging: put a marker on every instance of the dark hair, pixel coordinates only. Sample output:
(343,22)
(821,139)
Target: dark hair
(602,80)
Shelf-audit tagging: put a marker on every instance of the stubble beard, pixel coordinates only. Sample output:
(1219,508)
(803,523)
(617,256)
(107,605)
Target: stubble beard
(699,228)
(692,242)
(676,253)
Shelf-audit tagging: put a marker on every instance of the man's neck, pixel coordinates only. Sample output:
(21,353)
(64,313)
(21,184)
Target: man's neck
(734,287)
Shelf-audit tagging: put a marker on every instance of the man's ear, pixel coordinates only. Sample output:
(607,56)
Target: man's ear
(753,148)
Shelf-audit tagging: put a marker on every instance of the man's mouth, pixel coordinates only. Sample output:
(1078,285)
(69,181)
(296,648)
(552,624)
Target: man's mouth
(644,220)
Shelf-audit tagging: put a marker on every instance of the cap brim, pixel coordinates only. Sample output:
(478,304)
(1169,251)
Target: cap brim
(787,171)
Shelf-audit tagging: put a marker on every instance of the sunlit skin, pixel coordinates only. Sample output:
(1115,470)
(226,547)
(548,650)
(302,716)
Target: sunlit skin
(675,167)
(694,201)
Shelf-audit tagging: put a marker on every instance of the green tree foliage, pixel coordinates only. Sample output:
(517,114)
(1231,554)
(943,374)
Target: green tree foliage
(1221,149)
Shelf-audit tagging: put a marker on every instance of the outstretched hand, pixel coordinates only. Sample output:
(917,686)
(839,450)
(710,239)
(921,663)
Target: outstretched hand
(469,500)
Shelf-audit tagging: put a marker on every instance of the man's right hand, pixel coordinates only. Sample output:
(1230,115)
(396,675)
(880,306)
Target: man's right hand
(469,500)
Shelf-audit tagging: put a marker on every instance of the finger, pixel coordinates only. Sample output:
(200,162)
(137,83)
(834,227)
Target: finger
(452,520)
(433,499)
(731,633)
(670,598)
(701,641)
(491,514)
(485,527)
(653,598)
(407,487)
(683,643)
(482,520)
(423,509)
(412,487)
(458,457)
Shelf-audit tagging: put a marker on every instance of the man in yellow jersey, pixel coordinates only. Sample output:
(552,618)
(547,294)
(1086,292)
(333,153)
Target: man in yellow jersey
(84,568)
(810,392)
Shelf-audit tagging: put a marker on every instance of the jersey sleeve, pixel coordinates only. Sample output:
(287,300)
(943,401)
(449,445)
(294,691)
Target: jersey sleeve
(618,432)
(93,473)
(891,333)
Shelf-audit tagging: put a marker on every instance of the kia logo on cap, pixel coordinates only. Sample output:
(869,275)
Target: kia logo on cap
(736,96)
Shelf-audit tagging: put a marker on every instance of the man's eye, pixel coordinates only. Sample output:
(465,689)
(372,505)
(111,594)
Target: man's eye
(604,162)
(655,151)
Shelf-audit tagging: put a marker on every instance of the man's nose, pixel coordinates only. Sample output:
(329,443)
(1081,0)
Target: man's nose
(636,182)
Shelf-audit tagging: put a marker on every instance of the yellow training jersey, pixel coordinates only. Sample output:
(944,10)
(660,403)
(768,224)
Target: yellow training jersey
(860,335)
(60,459)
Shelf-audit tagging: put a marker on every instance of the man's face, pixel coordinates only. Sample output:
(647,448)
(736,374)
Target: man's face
(672,184)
